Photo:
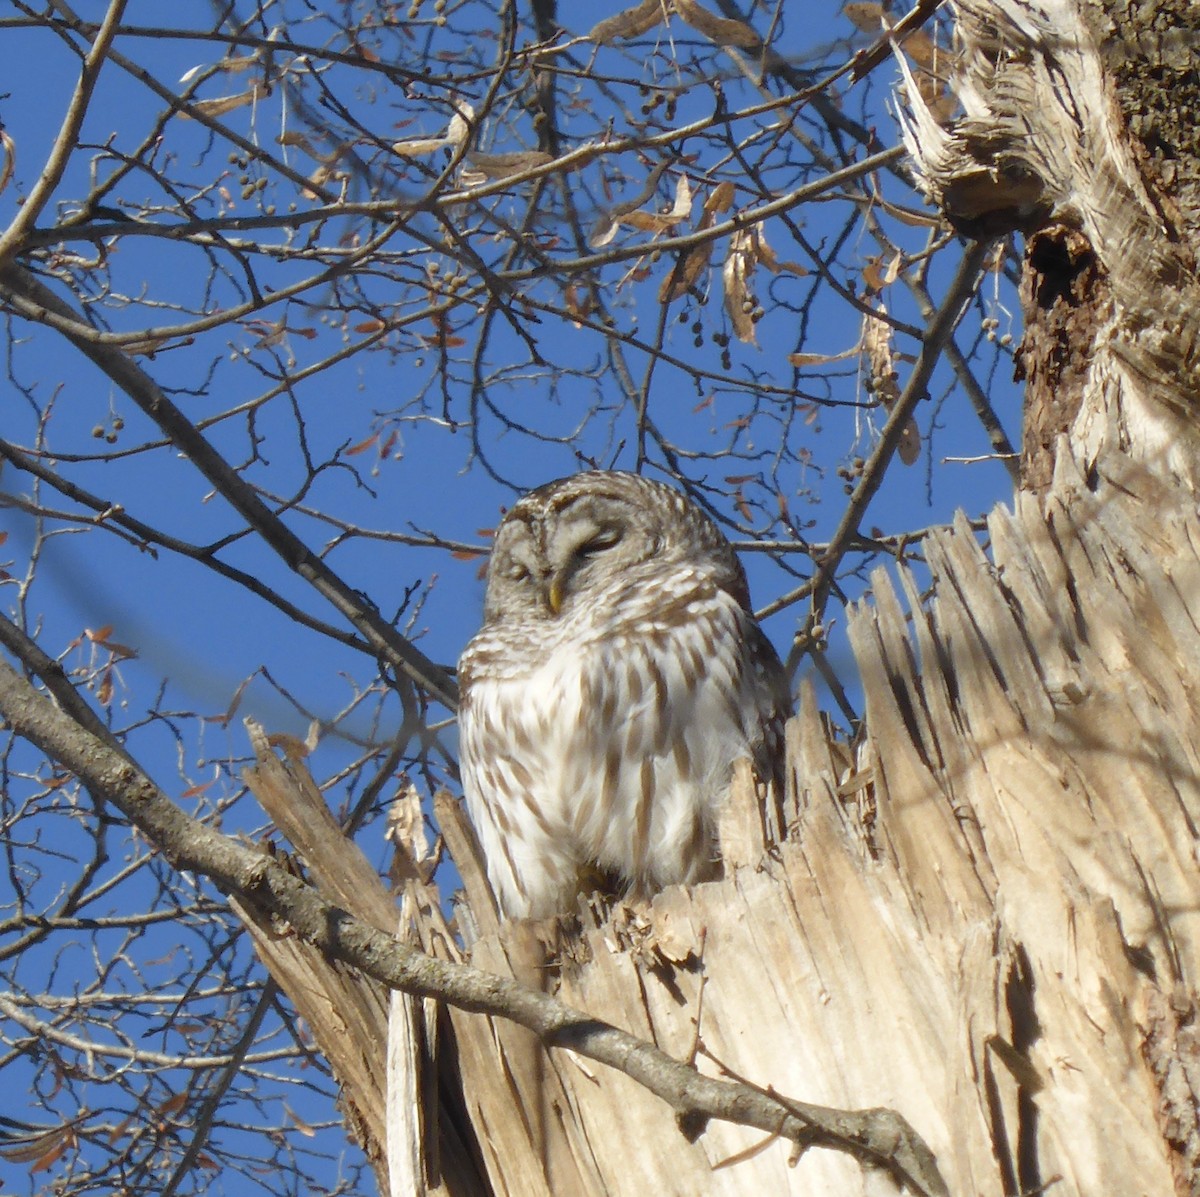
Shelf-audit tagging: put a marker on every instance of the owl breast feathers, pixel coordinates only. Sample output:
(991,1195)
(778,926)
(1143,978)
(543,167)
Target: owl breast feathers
(618,675)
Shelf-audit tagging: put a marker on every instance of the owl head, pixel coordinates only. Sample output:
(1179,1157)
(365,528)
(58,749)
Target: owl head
(570,540)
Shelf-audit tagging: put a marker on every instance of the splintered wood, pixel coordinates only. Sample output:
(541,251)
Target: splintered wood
(985,914)
(986,917)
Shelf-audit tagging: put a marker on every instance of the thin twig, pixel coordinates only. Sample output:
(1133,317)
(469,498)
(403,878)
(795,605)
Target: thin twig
(935,338)
(13,238)
(22,289)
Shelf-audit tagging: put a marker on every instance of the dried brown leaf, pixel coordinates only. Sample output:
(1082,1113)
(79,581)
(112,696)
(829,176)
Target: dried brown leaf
(442,337)
(677,284)
(233,65)
(908,216)
(238,63)
(631,22)
(362,446)
(864,15)
(303,1127)
(820,359)
(720,30)
(604,230)
(313,736)
(720,199)
(922,49)
(739,302)
(8,149)
(650,222)
(54,1153)
(219,105)
(682,208)
(172,1105)
(299,141)
(680,282)
(747,248)
(457,132)
(318,178)
(33,1151)
(483,168)
(120,1129)
(459,128)
(873,275)
(877,276)
(766,255)
(413,147)
(877,338)
(578,310)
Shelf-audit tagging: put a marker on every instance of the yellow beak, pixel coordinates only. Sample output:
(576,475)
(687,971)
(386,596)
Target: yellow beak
(554,595)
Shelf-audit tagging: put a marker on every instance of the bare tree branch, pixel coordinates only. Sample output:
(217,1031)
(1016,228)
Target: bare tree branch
(877,1138)
(20,289)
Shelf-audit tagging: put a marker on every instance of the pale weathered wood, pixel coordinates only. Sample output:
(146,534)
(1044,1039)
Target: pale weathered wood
(1002,950)
(986,917)
(381,1047)
(986,912)
(347,1013)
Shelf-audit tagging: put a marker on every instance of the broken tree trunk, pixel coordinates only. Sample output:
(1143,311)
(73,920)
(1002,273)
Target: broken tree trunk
(986,915)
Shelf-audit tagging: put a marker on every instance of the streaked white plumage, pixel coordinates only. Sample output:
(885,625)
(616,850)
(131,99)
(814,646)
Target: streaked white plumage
(617,676)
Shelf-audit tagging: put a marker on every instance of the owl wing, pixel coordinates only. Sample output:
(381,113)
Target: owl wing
(514,755)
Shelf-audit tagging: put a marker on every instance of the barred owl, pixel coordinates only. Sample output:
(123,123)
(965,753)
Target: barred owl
(618,675)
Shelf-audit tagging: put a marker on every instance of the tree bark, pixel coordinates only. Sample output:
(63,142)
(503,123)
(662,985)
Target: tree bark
(987,913)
